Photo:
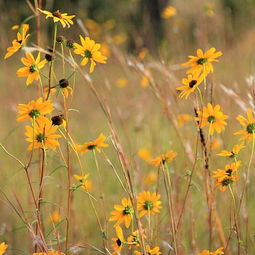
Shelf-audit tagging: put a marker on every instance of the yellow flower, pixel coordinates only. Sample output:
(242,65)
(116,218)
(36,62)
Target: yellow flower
(55,217)
(148,204)
(217,252)
(3,247)
(119,38)
(227,176)
(154,251)
(163,158)
(209,9)
(32,67)
(214,144)
(168,12)
(50,252)
(122,213)
(190,84)
(248,124)
(144,154)
(150,179)
(144,82)
(93,27)
(143,53)
(96,144)
(105,50)
(34,109)
(57,16)
(122,82)
(182,119)
(233,153)
(203,61)
(42,135)
(109,24)
(58,120)
(134,239)
(89,50)
(212,117)
(19,42)
(118,241)
(84,183)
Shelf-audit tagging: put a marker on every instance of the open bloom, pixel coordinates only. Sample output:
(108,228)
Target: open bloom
(190,84)
(163,158)
(202,63)
(217,252)
(19,42)
(118,241)
(96,144)
(3,247)
(122,213)
(212,117)
(249,126)
(168,12)
(89,50)
(57,16)
(148,204)
(42,135)
(35,109)
(32,67)
(233,153)
(227,176)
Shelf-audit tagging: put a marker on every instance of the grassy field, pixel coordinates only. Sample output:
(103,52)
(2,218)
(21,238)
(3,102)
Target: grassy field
(132,100)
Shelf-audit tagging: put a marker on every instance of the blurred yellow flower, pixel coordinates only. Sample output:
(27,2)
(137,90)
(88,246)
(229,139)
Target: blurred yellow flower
(209,9)
(89,50)
(212,117)
(163,158)
(109,24)
(144,81)
(19,42)
(119,38)
(122,82)
(217,252)
(55,217)
(144,154)
(93,27)
(96,144)
(34,109)
(182,119)
(150,179)
(214,144)
(84,182)
(202,63)
(105,49)
(50,252)
(57,16)
(143,53)
(3,247)
(168,12)
(32,67)
(154,251)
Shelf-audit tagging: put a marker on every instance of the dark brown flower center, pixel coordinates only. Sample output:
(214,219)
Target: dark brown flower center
(251,128)
(88,54)
(192,83)
(128,210)
(32,68)
(229,172)
(34,113)
(148,205)
(211,119)
(57,120)
(40,138)
(201,61)
(226,182)
(91,147)
(118,242)
(63,83)
(57,14)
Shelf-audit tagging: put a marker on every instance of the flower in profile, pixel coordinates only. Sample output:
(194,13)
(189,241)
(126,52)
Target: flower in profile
(57,16)
(182,119)
(35,109)
(118,241)
(55,217)
(153,251)
(190,83)
(84,182)
(148,204)
(134,239)
(19,42)
(227,176)
(42,135)
(164,158)
(202,63)
(89,50)
(233,153)
(168,12)
(150,179)
(217,252)
(212,117)
(122,213)
(92,145)
(249,126)
(32,67)
(3,247)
